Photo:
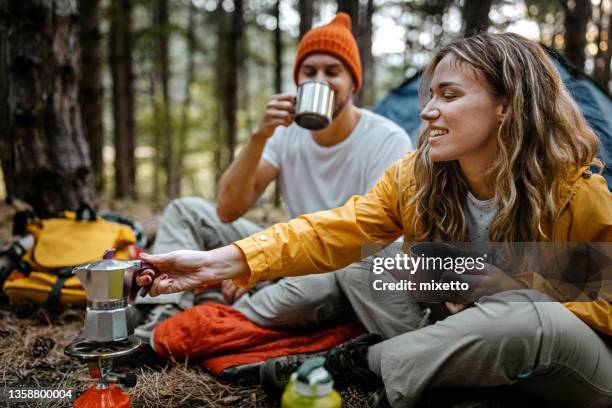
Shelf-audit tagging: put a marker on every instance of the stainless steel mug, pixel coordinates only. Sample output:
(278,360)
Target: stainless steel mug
(314,105)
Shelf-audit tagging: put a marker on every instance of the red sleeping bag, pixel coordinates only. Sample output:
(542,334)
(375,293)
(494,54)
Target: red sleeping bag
(223,337)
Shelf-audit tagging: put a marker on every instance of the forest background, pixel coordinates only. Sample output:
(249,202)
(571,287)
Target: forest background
(141,101)
(127,104)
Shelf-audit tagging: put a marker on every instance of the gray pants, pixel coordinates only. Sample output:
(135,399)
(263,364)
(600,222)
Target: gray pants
(512,338)
(192,223)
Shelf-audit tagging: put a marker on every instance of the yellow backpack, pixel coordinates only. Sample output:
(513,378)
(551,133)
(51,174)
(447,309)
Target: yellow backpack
(45,273)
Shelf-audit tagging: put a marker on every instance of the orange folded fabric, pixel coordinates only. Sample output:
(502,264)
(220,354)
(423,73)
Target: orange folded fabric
(223,337)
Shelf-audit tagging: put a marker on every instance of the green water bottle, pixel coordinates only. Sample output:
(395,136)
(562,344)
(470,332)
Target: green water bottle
(311,386)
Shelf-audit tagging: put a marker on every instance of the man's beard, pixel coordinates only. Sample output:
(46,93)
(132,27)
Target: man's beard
(339,107)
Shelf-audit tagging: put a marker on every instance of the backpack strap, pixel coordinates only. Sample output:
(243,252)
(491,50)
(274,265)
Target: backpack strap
(82,210)
(13,255)
(53,301)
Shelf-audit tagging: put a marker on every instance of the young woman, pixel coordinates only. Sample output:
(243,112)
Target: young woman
(505,158)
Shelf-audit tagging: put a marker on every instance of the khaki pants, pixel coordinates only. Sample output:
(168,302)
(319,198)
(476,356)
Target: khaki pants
(514,338)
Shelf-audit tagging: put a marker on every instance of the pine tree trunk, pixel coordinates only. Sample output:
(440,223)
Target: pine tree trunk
(306,11)
(51,158)
(601,73)
(161,15)
(351,7)
(476,16)
(219,157)
(120,61)
(278,79)
(7,159)
(244,103)
(366,96)
(157,141)
(278,51)
(91,91)
(231,85)
(189,79)
(577,15)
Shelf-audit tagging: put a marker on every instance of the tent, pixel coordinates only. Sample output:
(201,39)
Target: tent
(402,106)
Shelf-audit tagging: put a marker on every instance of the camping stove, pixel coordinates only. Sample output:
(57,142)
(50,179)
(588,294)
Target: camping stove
(98,357)
(110,289)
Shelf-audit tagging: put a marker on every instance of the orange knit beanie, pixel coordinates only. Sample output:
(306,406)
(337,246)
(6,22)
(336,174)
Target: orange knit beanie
(334,38)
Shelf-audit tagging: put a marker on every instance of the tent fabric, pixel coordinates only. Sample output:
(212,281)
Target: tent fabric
(222,337)
(402,106)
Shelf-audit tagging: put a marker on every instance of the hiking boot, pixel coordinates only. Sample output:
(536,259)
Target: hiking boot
(157,315)
(236,373)
(347,364)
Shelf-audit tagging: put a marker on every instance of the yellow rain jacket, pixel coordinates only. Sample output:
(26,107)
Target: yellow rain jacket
(329,240)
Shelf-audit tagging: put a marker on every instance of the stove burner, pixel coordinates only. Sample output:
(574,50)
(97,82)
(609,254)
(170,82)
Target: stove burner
(88,349)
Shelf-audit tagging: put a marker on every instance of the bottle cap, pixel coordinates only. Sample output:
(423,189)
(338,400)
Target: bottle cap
(312,379)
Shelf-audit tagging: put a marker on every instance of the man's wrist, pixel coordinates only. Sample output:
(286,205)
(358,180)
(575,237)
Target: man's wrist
(259,137)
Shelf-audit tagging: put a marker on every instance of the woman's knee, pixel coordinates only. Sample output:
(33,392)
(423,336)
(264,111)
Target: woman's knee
(501,331)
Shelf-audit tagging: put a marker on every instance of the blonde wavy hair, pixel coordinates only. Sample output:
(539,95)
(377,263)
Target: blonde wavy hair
(543,139)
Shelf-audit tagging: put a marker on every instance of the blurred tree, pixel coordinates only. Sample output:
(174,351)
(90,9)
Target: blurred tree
(278,75)
(476,16)
(247,63)
(601,72)
(189,80)
(162,27)
(220,77)
(361,21)
(45,137)
(146,59)
(7,157)
(351,7)
(228,65)
(367,94)
(306,11)
(230,96)
(577,16)
(120,62)
(157,139)
(91,91)
(278,50)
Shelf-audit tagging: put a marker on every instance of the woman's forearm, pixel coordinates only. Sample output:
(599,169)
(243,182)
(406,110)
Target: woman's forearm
(227,262)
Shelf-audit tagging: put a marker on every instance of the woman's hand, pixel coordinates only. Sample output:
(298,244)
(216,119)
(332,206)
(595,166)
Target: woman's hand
(454,307)
(231,293)
(488,281)
(182,270)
